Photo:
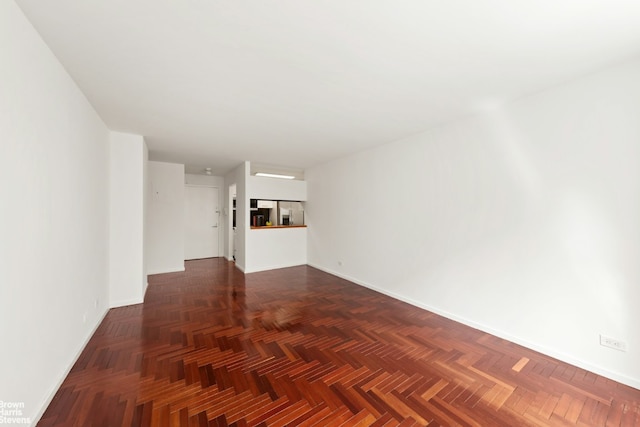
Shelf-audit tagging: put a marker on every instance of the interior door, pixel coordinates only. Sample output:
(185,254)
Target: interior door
(201,222)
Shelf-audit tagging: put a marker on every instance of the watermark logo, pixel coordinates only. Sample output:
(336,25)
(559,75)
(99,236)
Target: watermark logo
(12,413)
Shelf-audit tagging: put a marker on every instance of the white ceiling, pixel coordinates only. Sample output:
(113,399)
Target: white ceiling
(295,83)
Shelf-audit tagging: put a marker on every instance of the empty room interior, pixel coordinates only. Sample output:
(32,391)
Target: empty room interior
(320,213)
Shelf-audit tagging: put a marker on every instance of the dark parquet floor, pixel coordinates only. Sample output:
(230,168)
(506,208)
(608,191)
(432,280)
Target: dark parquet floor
(213,347)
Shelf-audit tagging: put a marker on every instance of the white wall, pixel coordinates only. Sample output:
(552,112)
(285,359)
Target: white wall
(127,275)
(206,180)
(54,215)
(522,221)
(276,189)
(268,249)
(165,241)
(145,215)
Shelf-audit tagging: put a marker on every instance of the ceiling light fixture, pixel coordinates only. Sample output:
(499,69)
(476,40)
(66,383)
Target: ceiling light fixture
(207,171)
(274,175)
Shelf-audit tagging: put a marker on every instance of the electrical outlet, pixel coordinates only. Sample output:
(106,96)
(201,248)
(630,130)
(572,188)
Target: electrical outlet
(84,317)
(613,343)
(96,303)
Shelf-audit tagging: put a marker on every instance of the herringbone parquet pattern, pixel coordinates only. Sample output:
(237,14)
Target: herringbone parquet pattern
(213,347)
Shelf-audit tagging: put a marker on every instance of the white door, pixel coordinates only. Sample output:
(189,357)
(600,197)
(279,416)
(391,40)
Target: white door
(201,222)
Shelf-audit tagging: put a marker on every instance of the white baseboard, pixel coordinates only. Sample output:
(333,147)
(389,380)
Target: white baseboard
(52,392)
(124,303)
(621,378)
(273,267)
(166,270)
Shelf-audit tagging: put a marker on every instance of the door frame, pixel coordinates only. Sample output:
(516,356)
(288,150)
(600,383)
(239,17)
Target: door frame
(232,190)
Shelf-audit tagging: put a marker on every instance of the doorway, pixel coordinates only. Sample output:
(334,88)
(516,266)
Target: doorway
(232,223)
(202,219)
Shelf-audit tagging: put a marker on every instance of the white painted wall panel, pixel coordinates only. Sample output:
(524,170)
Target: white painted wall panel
(276,248)
(165,242)
(276,189)
(521,221)
(54,217)
(127,276)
